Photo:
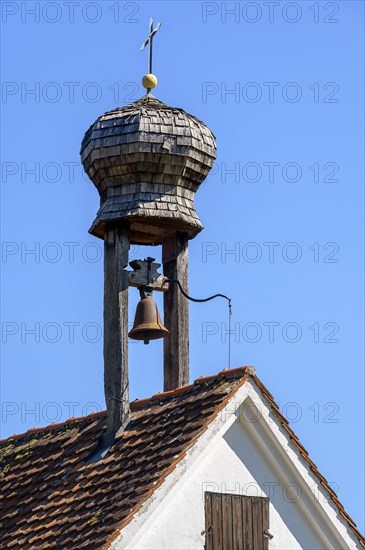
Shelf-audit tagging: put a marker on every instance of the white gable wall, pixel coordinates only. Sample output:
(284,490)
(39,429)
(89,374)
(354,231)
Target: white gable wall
(243,457)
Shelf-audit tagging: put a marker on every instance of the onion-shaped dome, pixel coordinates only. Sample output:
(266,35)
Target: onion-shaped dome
(147,160)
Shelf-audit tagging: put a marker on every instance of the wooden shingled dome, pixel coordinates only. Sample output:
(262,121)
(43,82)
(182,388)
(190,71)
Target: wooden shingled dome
(147,160)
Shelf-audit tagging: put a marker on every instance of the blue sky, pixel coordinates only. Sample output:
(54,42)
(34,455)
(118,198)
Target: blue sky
(281,87)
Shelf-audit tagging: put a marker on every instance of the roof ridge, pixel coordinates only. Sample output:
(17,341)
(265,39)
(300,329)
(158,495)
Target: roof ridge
(228,374)
(137,404)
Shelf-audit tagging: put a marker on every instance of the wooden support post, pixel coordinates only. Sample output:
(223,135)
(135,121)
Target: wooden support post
(116,386)
(176,312)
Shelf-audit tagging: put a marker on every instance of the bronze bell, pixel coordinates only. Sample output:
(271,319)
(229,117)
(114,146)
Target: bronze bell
(147,321)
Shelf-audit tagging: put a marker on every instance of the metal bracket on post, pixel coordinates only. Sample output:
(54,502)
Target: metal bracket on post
(145,274)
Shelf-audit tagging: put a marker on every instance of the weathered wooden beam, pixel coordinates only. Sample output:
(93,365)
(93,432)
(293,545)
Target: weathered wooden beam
(116,386)
(176,312)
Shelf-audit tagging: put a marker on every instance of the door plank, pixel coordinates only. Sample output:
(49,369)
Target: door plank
(217,521)
(208,522)
(257,530)
(238,535)
(265,522)
(227,522)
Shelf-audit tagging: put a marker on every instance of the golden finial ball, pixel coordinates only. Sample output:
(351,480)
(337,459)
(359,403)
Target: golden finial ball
(149,81)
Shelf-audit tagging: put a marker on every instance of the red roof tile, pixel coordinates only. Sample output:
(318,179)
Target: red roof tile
(52,498)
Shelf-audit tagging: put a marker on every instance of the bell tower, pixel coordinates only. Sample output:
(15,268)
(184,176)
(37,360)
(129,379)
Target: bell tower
(147,160)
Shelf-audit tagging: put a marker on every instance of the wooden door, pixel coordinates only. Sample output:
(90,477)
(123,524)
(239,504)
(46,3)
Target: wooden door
(236,522)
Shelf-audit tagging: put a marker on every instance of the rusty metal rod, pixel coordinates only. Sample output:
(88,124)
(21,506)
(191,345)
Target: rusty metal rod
(199,300)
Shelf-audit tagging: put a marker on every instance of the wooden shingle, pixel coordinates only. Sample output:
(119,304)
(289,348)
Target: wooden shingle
(157,153)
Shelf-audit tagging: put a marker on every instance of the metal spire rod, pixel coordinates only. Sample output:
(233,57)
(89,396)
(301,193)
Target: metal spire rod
(152,32)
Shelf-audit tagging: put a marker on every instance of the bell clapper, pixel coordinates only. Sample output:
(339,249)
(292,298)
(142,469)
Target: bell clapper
(144,292)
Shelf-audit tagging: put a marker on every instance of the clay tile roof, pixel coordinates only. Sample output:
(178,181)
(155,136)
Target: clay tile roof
(50,497)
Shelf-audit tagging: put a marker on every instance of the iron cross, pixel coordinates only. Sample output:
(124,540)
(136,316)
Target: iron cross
(149,42)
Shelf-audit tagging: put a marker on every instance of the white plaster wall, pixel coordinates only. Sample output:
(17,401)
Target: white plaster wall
(178,522)
(237,455)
